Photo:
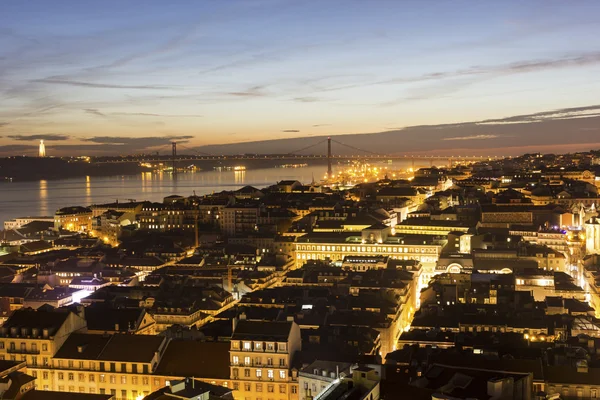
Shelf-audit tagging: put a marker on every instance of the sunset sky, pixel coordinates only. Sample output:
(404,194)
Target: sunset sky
(95,77)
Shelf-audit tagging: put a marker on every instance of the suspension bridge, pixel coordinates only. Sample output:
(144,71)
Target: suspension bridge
(299,154)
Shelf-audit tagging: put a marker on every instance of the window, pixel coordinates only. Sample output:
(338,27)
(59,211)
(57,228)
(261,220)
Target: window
(112,379)
(113,367)
(259,387)
(81,389)
(145,369)
(134,380)
(102,378)
(247,373)
(247,387)
(270,388)
(123,367)
(281,388)
(282,374)
(247,346)
(281,346)
(259,373)
(270,374)
(61,376)
(123,394)
(247,361)
(282,362)
(81,377)
(236,360)
(134,368)
(92,378)
(123,380)
(1,345)
(294,389)
(80,364)
(145,380)
(45,375)
(269,361)
(71,364)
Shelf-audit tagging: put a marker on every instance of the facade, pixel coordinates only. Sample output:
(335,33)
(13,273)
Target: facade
(120,365)
(34,336)
(261,357)
(336,246)
(75,219)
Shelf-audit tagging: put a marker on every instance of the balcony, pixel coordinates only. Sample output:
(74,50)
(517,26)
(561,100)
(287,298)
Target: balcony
(22,351)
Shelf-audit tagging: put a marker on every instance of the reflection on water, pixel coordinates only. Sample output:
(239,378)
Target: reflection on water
(45,197)
(239,177)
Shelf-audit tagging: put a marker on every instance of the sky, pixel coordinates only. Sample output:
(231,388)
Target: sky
(115,77)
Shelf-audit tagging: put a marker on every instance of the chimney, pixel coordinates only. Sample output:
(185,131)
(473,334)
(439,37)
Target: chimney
(234,323)
(582,366)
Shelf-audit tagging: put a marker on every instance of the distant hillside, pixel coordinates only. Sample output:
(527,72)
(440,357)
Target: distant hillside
(497,137)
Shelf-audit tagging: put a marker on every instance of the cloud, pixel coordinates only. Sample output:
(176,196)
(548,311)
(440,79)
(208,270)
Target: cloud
(255,91)
(473,137)
(55,81)
(319,125)
(290,130)
(140,114)
(141,142)
(502,69)
(308,99)
(51,137)
(94,111)
(2,124)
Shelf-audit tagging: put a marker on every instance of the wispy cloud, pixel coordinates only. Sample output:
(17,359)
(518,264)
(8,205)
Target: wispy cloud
(255,91)
(55,81)
(94,111)
(3,124)
(141,142)
(308,99)
(473,137)
(140,114)
(50,137)
(319,125)
(290,130)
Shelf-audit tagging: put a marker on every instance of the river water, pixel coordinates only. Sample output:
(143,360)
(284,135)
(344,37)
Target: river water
(40,198)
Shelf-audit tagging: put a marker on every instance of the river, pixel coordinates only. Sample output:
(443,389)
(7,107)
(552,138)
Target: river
(40,198)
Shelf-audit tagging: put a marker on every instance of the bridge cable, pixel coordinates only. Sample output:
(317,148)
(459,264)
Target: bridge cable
(357,149)
(307,147)
(196,152)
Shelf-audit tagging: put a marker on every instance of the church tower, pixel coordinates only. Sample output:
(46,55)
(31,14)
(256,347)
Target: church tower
(42,152)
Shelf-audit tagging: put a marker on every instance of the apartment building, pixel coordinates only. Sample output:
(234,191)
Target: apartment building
(120,365)
(261,357)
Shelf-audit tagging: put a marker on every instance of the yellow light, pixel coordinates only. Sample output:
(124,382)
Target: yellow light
(526,336)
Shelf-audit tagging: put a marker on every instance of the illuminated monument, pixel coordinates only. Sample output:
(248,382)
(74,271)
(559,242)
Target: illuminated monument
(42,152)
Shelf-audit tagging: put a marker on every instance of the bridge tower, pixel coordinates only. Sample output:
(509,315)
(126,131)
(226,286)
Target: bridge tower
(329,172)
(174,156)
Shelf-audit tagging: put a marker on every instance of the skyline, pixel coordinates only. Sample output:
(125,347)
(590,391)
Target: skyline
(86,74)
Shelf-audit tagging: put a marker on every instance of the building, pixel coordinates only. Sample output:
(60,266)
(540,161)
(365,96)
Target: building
(34,336)
(119,364)
(261,357)
(42,150)
(317,376)
(74,219)
(336,246)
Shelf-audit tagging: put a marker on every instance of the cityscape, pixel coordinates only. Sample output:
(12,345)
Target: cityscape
(299,200)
